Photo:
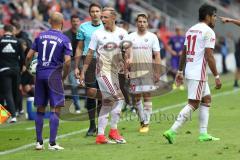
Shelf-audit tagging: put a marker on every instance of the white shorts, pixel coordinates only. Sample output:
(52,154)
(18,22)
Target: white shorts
(109,87)
(142,85)
(197,89)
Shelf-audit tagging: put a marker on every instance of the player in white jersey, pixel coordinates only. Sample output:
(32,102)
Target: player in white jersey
(107,42)
(198,52)
(143,75)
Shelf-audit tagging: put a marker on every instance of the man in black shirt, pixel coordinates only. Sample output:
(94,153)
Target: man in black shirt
(11,60)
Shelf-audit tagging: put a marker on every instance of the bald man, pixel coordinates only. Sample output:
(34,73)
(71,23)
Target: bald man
(54,55)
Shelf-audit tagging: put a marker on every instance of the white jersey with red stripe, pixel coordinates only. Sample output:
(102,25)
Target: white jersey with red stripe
(198,37)
(107,44)
(143,47)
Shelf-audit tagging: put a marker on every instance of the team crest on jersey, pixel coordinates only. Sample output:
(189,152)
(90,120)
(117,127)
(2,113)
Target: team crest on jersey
(120,37)
(146,40)
(212,40)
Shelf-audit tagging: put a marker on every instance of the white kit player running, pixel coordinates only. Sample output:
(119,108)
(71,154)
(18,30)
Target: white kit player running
(198,52)
(143,75)
(107,43)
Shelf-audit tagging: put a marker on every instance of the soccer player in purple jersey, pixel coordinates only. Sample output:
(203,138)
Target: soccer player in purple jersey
(54,49)
(176,46)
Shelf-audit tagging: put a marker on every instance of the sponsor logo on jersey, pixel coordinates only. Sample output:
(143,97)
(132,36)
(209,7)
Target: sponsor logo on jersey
(8,49)
(120,37)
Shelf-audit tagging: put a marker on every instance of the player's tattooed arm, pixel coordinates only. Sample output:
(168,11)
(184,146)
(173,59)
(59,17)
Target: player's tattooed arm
(230,20)
(77,58)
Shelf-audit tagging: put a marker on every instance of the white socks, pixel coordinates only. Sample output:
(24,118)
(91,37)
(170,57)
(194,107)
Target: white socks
(139,106)
(147,112)
(115,116)
(183,116)
(103,119)
(203,118)
(115,113)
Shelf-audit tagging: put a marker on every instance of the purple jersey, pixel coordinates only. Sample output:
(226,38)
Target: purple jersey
(51,46)
(177,43)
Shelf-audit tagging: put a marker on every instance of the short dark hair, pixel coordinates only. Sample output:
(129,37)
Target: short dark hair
(206,10)
(141,15)
(8,28)
(94,5)
(74,16)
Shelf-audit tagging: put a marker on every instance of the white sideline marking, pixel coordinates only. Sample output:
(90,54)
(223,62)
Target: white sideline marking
(32,128)
(83,130)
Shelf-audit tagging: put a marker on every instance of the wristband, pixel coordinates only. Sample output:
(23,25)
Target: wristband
(217,77)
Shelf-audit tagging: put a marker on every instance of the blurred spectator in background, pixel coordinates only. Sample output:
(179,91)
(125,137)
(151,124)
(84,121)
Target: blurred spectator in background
(237,58)
(67,8)
(43,9)
(122,7)
(230,43)
(1,14)
(72,35)
(155,20)
(104,3)
(224,53)
(175,48)
(225,3)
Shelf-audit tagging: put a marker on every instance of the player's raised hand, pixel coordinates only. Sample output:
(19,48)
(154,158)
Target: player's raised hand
(225,19)
(218,83)
(179,78)
(77,73)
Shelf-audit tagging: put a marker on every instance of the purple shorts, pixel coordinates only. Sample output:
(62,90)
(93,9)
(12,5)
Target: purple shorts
(49,90)
(175,62)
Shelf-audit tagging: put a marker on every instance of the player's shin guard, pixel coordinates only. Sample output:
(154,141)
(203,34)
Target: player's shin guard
(53,123)
(103,119)
(139,106)
(39,126)
(115,113)
(183,116)
(147,112)
(203,118)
